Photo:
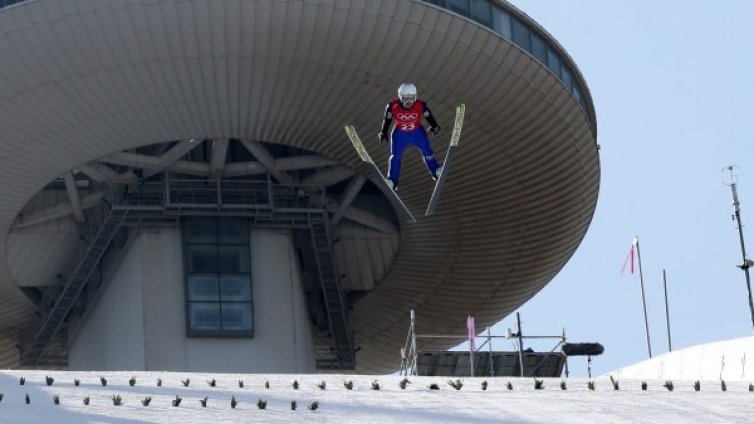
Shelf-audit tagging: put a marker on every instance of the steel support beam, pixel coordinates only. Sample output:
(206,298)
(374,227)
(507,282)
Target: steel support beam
(350,193)
(294,163)
(104,174)
(362,217)
(174,155)
(134,160)
(152,163)
(237,169)
(60,210)
(265,158)
(73,196)
(329,176)
(219,152)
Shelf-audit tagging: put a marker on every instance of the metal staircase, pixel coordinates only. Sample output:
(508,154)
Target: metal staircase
(265,204)
(97,235)
(333,297)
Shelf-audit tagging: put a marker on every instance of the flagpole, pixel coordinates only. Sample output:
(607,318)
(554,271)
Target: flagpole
(737,217)
(667,310)
(643,300)
(520,345)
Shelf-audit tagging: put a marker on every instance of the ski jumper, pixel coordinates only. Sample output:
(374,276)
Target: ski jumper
(408,131)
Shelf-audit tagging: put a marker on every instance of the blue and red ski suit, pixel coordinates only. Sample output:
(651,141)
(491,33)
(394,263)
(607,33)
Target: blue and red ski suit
(408,131)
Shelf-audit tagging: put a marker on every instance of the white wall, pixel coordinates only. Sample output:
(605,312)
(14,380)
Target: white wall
(282,340)
(281,319)
(730,360)
(110,336)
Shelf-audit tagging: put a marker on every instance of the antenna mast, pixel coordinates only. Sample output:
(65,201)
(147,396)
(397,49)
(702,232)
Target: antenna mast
(747,263)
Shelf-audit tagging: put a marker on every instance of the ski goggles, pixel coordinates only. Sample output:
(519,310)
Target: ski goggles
(408,99)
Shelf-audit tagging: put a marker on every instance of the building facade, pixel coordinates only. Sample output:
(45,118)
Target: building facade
(179,193)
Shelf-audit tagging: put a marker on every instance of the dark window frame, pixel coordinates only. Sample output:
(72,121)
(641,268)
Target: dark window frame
(481,11)
(502,17)
(521,34)
(554,62)
(463,7)
(539,48)
(218,244)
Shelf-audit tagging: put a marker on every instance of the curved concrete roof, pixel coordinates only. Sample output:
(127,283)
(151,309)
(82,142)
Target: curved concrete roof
(83,79)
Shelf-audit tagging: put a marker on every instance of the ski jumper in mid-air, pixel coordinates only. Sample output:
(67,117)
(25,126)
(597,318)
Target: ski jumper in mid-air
(407,111)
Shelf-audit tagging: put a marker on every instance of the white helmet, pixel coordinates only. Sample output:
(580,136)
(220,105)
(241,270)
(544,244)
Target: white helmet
(407,92)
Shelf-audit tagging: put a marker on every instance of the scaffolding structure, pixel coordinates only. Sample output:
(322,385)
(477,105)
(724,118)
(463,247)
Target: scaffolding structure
(264,203)
(477,361)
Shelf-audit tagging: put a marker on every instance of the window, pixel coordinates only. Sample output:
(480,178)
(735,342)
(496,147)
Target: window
(9,2)
(538,48)
(567,78)
(459,6)
(481,12)
(218,277)
(501,22)
(553,61)
(521,35)
(577,95)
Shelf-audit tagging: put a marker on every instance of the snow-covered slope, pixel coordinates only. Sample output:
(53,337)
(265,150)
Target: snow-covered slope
(390,404)
(729,360)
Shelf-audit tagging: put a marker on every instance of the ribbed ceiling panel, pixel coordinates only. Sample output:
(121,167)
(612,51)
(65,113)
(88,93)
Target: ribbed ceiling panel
(82,79)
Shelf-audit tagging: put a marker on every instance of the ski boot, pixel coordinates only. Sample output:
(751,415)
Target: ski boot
(437,173)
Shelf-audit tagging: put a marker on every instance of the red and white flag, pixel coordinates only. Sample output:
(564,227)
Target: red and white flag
(630,257)
(472,333)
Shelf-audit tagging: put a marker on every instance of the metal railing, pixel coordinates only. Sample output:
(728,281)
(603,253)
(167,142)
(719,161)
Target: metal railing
(96,234)
(265,203)
(216,194)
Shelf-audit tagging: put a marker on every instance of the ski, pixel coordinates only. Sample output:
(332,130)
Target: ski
(454,139)
(392,196)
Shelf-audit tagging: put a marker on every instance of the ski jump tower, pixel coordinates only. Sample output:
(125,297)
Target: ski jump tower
(177,187)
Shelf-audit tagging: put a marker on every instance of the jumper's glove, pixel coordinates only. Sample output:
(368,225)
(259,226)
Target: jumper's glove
(382,136)
(435,129)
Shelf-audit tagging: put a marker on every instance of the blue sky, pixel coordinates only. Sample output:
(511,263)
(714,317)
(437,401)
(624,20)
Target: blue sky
(673,92)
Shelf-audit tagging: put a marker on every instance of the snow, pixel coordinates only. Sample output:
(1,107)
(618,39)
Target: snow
(724,360)
(390,404)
